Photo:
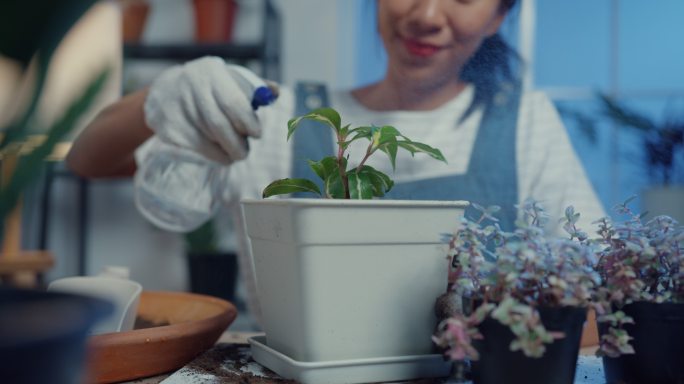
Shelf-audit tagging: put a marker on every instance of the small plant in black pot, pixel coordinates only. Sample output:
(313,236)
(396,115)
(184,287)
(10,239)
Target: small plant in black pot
(525,299)
(642,298)
(212,271)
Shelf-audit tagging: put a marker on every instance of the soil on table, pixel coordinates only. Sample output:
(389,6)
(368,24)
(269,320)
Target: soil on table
(142,323)
(227,363)
(233,363)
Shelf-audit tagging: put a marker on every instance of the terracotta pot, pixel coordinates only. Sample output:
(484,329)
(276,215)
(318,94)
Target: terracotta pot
(214,20)
(590,336)
(134,17)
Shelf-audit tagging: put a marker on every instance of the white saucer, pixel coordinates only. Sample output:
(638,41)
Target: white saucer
(349,371)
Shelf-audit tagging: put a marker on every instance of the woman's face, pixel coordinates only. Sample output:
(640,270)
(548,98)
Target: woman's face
(430,41)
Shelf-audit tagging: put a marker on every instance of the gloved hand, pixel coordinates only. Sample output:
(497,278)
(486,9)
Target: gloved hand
(205,106)
(200,111)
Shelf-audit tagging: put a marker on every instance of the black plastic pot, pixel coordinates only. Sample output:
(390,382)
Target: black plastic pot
(498,365)
(658,342)
(43,335)
(213,274)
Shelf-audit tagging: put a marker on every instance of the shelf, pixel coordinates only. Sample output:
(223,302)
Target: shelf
(26,261)
(190,51)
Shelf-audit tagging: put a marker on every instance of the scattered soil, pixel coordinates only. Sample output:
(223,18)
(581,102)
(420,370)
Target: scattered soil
(228,363)
(233,363)
(142,323)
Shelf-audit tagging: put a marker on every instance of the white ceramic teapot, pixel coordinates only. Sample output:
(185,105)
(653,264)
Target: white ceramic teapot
(113,285)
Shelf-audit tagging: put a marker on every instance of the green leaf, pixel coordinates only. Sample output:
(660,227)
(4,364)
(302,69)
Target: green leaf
(360,186)
(29,165)
(327,116)
(362,132)
(285,186)
(384,136)
(34,29)
(629,200)
(625,116)
(414,147)
(334,187)
(387,134)
(380,182)
(327,166)
(357,133)
(390,149)
(317,167)
(27,27)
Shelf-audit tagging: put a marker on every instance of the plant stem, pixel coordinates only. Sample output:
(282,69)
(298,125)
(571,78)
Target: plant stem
(363,161)
(342,168)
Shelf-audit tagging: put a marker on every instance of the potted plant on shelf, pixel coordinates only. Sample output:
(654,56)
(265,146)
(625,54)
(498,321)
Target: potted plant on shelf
(525,298)
(663,144)
(663,152)
(214,20)
(212,271)
(134,15)
(642,299)
(349,277)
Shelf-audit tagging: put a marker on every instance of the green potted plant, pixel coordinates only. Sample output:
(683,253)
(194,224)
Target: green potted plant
(335,276)
(42,334)
(663,144)
(32,31)
(663,152)
(641,300)
(212,271)
(525,298)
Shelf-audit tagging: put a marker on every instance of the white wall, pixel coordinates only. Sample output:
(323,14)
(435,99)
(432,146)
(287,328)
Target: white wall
(318,41)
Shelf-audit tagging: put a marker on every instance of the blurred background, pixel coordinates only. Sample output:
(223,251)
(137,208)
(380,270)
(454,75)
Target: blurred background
(614,68)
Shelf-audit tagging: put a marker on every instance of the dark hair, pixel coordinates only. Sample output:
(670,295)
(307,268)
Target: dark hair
(491,66)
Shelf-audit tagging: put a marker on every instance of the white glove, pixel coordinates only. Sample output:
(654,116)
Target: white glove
(205,106)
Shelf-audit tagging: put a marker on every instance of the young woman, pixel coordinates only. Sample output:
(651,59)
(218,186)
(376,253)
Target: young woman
(449,83)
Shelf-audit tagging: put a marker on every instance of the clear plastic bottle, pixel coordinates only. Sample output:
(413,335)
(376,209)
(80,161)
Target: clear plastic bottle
(175,188)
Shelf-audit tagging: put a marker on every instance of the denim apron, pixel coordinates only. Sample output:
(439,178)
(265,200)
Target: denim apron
(491,177)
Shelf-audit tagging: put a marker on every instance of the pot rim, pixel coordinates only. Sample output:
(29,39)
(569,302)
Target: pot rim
(312,202)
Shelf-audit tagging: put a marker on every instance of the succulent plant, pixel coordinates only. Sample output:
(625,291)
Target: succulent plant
(638,262)
(510,275)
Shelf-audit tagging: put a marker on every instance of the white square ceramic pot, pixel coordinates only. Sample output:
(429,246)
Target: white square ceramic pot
(349,279)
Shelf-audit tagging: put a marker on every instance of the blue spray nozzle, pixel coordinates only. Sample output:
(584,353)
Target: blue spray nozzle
(262,96)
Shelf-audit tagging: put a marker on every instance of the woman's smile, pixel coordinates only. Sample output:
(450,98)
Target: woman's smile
(421,49)
(428,42)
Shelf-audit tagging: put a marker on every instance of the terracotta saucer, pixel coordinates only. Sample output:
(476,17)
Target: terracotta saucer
(180,326)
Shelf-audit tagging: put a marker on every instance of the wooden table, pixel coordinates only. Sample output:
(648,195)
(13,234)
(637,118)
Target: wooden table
(228,337)
(233,348)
